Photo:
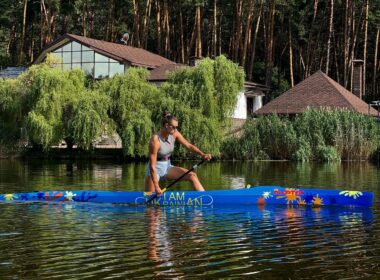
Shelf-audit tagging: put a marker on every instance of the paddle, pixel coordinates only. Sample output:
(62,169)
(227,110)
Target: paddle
(176,180)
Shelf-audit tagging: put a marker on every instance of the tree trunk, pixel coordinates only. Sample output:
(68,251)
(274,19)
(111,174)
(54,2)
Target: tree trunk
(41,26)
(309,41)
(167,29)
(158,26)
(109,20)
(239,29)
(253,50)
(290,55)
(248,29)
(374,85)
(366,7)
(329,36)
(22,45)
(182,42)
(145,27)
(214,29)
(136,24)
(84,18)
(346,43)
(270,44)
(198,40)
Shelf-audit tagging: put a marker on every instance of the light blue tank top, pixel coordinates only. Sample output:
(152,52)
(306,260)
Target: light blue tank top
(166,147)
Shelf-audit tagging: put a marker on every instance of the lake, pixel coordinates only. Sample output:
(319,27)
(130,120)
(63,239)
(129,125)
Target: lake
(72,241)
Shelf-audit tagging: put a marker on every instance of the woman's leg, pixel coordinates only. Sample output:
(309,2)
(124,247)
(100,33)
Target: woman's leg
(149,186)
(175,172)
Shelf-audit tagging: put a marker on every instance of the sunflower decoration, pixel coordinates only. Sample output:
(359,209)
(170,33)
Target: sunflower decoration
(317,201)
(354,194)
(10,196)
(291,196)
(301,202)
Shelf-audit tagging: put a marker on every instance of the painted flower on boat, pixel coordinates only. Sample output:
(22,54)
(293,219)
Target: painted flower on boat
(261,201)
(291,195)
(354,194)
(317,201)
(267,195)
(10,196)
(301,202)
(69,195)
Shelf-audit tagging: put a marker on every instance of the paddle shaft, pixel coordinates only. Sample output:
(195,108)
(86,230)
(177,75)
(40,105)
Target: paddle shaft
(176,180)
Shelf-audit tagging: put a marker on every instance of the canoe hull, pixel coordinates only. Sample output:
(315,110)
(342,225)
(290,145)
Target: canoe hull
(256,195)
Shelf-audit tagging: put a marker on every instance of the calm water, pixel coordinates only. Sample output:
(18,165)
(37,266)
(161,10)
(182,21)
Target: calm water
(65,241)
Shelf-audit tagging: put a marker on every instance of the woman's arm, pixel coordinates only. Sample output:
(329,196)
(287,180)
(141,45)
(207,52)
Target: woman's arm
(178,136)
(154,146)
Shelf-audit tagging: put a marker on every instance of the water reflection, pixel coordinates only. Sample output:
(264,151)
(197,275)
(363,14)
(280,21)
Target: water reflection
(72,241)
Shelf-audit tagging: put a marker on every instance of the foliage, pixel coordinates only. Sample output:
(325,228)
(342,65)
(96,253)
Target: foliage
(89,118)
(58,107)
(10,110)
(205,97)
(325,135)
(132,100)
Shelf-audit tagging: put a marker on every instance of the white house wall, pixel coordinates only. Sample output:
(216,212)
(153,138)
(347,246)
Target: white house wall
(240,111)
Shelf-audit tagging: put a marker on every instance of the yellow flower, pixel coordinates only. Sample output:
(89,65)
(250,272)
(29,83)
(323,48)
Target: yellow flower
(317,201)
(10,196)
(354,194)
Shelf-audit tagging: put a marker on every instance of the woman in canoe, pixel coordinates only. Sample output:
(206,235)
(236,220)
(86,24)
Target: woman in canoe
(161,145)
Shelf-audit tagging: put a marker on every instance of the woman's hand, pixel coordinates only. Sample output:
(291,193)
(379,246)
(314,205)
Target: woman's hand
(207,157)
(158,190)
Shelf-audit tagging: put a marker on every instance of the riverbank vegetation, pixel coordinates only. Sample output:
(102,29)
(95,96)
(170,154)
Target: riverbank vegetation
(324,135)
(278,43)
(46,106)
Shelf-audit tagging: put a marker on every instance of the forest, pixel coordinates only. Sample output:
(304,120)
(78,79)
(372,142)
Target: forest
(278,43)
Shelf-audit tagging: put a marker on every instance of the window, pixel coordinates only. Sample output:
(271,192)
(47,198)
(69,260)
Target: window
(101,70)
(101,58)
(66,57)
(74,56)
(67,48)
(116,68)
(88,68)
(87,56)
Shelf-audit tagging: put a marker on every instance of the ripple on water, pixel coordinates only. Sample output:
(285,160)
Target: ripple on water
(108,242)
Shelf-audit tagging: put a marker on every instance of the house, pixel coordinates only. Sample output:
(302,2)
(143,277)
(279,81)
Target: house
(101,59)
(318,91)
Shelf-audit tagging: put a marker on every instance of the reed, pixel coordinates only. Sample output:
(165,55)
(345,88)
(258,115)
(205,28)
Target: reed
(318,134)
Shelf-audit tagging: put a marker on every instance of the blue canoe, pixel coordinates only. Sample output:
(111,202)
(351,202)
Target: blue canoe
(259,195)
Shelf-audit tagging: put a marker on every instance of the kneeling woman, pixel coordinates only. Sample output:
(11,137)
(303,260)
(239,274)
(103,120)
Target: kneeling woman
(161,146)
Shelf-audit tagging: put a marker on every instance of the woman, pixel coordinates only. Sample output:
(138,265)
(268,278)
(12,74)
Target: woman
(161,146)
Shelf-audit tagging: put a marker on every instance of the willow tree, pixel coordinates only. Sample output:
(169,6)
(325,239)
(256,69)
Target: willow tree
(205,97)
(132,99)
(11,111)
(61,108)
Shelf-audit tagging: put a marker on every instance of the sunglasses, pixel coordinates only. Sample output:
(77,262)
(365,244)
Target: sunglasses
(174,126)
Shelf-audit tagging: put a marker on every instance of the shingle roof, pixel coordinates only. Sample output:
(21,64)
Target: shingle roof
(162,72)
(120,52)
(316,91)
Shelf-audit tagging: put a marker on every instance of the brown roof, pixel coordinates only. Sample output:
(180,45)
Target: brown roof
(161,73)
(316,91)
(119,52)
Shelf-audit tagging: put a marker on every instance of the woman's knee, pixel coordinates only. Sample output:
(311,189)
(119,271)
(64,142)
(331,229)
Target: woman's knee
(192,176)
